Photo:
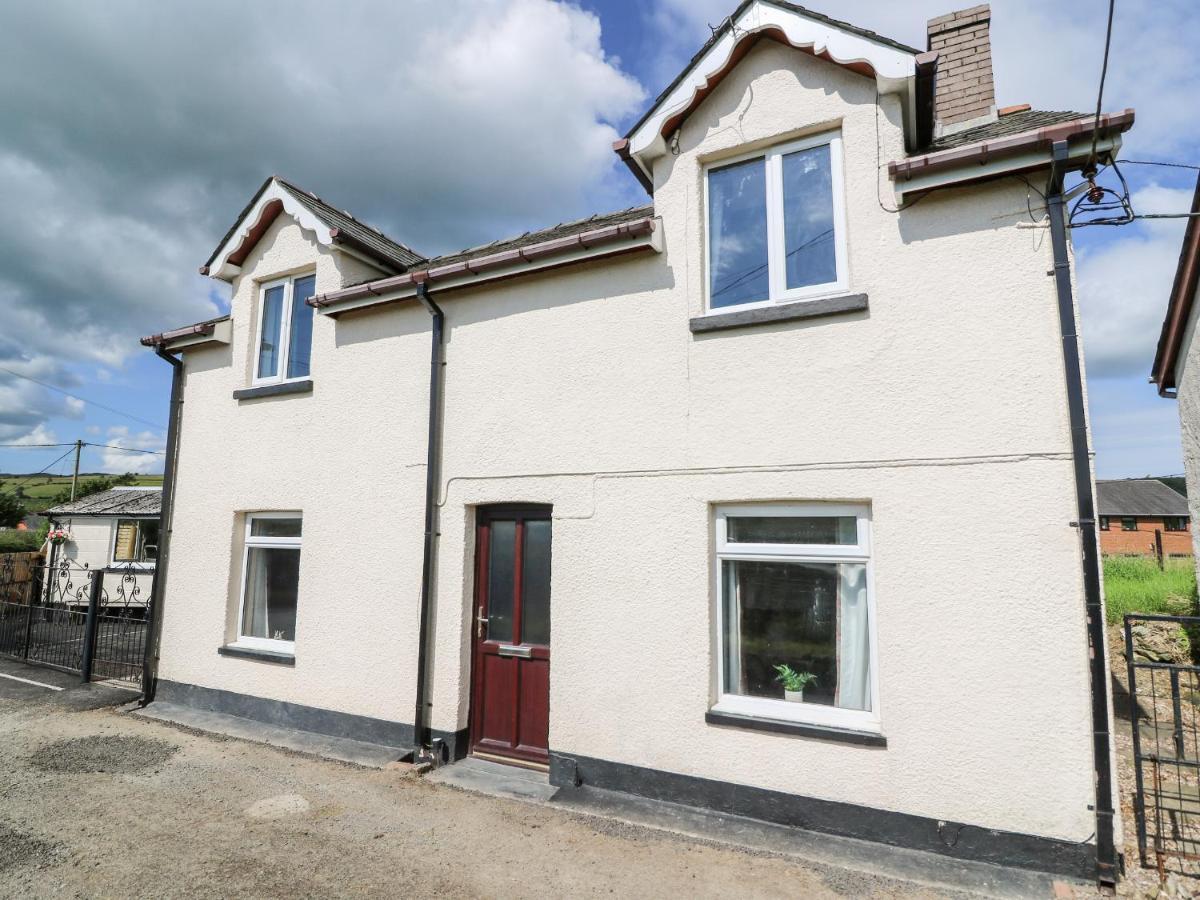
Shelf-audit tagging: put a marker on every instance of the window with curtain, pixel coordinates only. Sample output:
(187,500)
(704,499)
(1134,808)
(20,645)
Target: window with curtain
(136,541)
(1175,523)
(775,225)
(1129,523)
(794,592)
(285,330)
(271,580)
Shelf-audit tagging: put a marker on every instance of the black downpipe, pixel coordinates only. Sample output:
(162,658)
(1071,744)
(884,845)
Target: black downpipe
(426,749)
(1106,855)
(154,626)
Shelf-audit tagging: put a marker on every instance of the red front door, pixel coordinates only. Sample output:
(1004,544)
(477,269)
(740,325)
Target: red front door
(510,689)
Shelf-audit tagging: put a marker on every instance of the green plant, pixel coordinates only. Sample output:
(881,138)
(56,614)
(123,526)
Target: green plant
(13,541)
(1135,584)
(12,510)
(793,680)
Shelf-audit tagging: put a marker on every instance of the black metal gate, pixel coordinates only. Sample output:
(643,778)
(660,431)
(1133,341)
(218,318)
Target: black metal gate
(1164,706)
(74,618)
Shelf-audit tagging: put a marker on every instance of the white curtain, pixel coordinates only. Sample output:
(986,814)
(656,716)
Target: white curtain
(254,617)
(854,648)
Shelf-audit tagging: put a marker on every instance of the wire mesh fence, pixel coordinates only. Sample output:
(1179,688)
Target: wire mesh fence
(1165,706)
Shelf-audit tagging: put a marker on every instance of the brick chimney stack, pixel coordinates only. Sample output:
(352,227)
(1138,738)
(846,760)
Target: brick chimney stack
(964,92)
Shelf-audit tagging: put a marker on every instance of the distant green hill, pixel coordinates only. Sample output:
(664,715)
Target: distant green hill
(38,490)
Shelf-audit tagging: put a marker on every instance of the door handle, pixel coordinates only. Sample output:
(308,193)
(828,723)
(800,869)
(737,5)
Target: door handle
(480,621)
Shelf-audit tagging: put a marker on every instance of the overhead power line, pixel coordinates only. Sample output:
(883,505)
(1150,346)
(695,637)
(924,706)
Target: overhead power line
(97,404)
(1103,74)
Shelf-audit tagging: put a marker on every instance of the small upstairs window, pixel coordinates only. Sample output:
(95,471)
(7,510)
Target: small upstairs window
(1175,523)
(284,330)
(1129,523)
(776,225)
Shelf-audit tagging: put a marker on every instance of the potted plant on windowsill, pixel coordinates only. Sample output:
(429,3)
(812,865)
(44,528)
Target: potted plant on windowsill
(793,682)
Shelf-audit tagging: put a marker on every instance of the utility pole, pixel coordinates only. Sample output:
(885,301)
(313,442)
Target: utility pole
(75,477)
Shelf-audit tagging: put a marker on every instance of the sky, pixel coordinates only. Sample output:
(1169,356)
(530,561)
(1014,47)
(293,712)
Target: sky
(132,133)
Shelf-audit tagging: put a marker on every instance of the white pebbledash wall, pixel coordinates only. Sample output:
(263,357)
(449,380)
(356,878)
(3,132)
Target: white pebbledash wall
(943,407)
(1187,378)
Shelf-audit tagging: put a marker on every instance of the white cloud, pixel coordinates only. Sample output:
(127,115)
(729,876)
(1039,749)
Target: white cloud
(122,455)
(138,131)
(1124,284)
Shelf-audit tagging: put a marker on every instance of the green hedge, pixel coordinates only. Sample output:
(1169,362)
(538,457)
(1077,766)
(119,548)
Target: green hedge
(13,541)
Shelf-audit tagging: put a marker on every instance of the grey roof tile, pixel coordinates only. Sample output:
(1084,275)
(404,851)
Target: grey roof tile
(1013,123)
(1139,497)
(116,502)
(563,229)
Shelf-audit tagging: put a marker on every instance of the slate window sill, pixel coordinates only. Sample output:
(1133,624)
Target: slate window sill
(275,390)
(284,659)
(776,726)
(783,312)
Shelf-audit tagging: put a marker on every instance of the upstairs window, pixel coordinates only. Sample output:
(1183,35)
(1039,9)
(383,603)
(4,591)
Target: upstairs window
(285,330)
(1104,523)
(1129,523)
(776,227)
(1175,523)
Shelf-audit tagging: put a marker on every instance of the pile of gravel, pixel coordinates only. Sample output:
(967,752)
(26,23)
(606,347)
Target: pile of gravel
(116,754)
(17,849)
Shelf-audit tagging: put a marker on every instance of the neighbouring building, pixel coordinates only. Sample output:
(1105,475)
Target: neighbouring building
(1143,517)
(1176,369)
(572,499)
(114,529)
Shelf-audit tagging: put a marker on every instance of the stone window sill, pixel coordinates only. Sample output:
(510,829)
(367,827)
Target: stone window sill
(777,726)
(275,390)
(782,312)
(285,659)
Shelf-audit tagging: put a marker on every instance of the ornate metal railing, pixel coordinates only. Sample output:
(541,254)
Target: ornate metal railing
(72,617)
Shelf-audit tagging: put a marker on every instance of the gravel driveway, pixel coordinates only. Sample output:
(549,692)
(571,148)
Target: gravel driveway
(98,803)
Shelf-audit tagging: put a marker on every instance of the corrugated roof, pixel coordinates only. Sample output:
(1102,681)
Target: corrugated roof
(116,502)
(561,230)
(1139,497)
(1013,123)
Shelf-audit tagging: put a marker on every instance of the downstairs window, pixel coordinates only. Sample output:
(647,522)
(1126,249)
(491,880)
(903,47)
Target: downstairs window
(795,614)
(270,583)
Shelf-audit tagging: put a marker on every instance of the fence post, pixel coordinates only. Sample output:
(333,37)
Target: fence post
(1158,548)
(89,628)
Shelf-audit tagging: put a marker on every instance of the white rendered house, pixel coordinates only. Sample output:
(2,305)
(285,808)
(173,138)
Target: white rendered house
(764,421)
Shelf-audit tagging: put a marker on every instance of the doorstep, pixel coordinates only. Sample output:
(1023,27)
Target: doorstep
(484,776)
(359,753)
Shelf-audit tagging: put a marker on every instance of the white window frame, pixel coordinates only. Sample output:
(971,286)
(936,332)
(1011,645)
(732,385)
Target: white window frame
(859,552)
(776,251)
(284,543)
(116,533)
(285,331)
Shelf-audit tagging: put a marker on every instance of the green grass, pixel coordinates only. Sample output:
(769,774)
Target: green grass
(1134,584)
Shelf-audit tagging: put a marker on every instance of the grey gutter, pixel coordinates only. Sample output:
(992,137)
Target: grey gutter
(171,460)
(1013,145)
(488,263)
(1106,853)
(200,328)
(424,748)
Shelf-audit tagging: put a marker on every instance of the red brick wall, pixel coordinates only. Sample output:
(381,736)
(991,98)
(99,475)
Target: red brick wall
(1117,541)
